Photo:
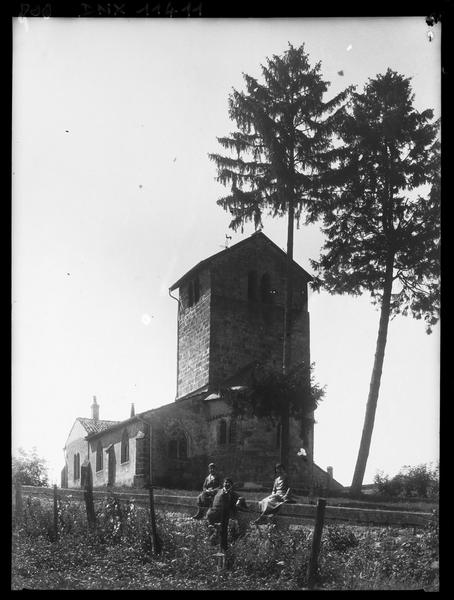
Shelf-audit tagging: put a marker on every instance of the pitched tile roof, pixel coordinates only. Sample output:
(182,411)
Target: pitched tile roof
(257,235)
(92,426)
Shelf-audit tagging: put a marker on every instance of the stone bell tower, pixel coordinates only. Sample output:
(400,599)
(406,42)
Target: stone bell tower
(231,313)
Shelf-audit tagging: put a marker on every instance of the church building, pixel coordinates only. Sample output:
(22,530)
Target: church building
(230,318)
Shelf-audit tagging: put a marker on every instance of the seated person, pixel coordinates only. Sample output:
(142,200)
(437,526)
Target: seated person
(226,500)
(210,486)
(281,493)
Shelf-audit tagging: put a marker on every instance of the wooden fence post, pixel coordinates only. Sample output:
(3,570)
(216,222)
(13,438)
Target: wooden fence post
(55,513)
(316,540)
(155,542)
(88,497)
(18,509)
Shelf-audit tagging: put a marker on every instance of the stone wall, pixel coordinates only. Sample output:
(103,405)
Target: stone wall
(193,352)
(187,419)
(249,455)
(226,329)
(244,329)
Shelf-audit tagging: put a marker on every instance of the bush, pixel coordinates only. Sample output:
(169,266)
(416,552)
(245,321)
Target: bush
(29,469)
(37,518)
(340,538)
(421,481)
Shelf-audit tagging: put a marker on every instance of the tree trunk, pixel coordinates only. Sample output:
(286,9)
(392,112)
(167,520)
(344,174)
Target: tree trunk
(286,350)
(363,452)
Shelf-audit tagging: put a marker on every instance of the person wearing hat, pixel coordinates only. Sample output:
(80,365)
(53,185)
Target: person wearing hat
(210,486)
(281,493)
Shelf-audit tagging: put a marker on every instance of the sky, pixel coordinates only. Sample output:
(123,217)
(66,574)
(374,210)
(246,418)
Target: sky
(114,198)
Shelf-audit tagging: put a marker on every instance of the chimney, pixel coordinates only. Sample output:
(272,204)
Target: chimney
(133,412)
(95,410)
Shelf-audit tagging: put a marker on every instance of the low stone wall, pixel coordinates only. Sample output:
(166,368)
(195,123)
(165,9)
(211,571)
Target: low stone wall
(289,514)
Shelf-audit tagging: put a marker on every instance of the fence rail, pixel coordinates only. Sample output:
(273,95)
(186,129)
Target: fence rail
(290,514)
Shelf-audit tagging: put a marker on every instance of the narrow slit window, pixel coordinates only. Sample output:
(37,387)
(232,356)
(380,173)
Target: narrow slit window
(223,432)
(190,294)
(196,290)
(265,289)
(232,432)
(76,466)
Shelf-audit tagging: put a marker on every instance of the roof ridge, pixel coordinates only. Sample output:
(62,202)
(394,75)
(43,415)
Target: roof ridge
(209,259)
(98,420)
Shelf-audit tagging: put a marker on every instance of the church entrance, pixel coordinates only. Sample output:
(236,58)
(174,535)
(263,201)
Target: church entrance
(111,465)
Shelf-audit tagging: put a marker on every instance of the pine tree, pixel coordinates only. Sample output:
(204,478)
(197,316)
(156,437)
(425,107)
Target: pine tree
(280,156)
(382,228)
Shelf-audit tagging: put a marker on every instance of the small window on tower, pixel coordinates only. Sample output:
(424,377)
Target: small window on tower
(190,293)
(196,290)
(265,289)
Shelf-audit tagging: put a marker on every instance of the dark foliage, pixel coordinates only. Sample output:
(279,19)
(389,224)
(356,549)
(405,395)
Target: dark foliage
(387,202)
(421,481)
(282,149)
(270,388)
(29,469)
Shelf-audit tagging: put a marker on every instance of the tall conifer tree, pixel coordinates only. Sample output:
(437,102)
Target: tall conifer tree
(382,227)
(279,158)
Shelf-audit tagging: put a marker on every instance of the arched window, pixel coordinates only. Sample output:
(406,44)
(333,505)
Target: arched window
(223,432)
(178,446)
(182,446)
(232,431)
(173,448)
(124,447)
(252,285)
(76,466)
(99,457)
(265,289)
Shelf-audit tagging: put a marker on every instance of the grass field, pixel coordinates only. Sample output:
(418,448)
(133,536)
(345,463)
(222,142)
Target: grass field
(119,554)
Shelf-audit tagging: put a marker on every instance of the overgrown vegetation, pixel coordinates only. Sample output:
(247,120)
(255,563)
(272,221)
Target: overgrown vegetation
(119,554)
(421,481)
(269,388)
(29,469)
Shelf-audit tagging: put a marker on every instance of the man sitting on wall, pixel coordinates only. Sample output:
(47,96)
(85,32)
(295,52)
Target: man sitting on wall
(210,486)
